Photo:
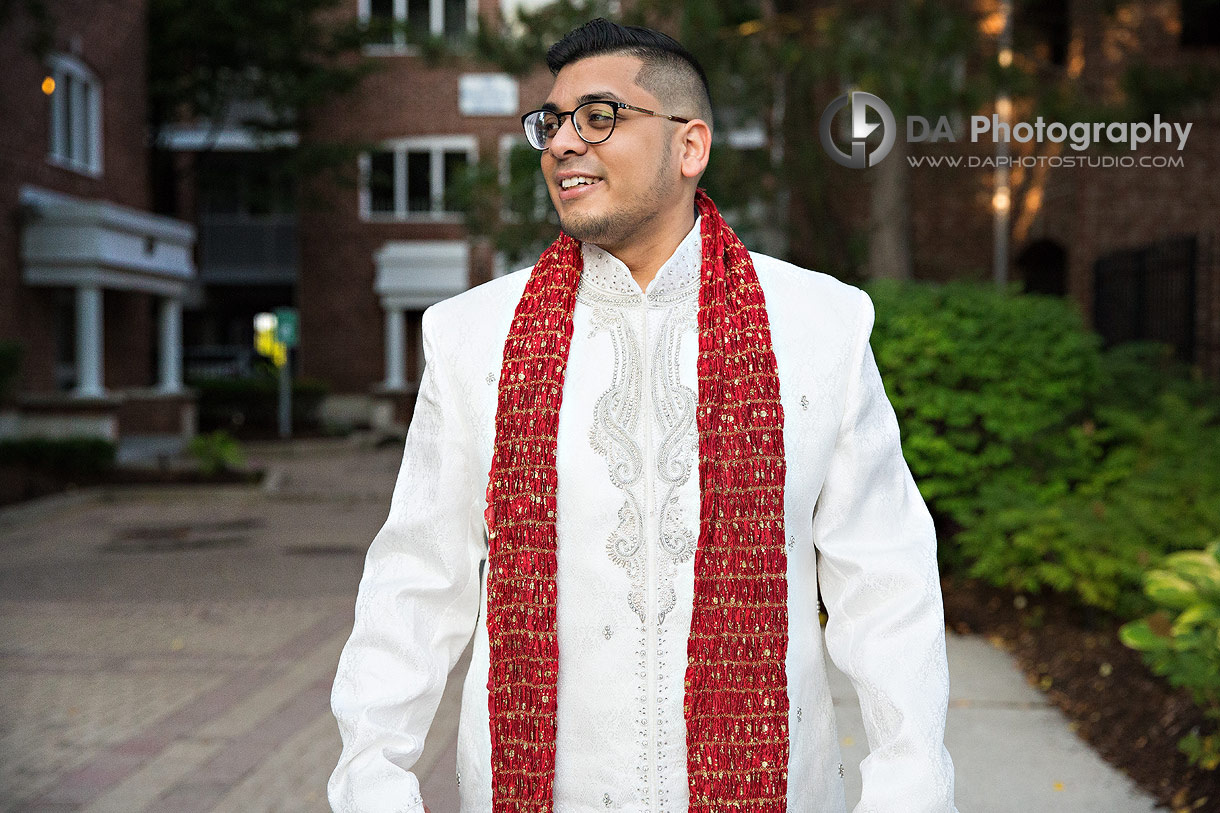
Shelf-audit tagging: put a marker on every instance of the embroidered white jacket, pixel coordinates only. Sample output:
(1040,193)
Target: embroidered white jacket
(628,521)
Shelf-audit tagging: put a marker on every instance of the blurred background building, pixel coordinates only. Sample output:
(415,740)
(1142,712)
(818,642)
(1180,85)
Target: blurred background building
(114,305)
(92,283)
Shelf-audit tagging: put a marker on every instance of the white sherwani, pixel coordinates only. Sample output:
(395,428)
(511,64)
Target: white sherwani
(627,525)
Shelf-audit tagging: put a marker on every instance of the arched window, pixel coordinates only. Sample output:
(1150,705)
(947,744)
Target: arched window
(75,134)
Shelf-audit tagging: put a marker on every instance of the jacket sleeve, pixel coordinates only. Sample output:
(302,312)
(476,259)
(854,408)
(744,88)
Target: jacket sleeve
(878,575)
(416,607)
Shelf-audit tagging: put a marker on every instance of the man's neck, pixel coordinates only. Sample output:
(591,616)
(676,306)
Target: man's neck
(645,255)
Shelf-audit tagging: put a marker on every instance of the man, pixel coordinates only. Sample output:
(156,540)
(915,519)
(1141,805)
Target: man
(660,445)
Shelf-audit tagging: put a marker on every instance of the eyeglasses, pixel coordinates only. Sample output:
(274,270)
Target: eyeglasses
(594,122)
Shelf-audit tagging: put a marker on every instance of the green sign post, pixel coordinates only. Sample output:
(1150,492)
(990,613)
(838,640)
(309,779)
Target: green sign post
(286,333)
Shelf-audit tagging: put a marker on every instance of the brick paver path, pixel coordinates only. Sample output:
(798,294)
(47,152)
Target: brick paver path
(172,650)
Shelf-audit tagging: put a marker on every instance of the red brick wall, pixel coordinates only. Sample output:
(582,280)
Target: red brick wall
(109,37)
(1094,211)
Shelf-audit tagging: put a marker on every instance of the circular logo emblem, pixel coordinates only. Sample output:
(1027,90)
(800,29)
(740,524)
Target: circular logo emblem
(860,129)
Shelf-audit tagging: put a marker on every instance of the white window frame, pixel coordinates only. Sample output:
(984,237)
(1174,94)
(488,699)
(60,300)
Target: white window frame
(436,146)
(436,25)
(84,107)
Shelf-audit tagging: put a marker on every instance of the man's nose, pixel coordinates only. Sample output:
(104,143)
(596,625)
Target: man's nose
(566,140)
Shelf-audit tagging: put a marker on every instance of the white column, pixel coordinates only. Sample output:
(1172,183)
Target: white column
(89,341)
(89,346)
(170,348)
(419,353)
(395,352)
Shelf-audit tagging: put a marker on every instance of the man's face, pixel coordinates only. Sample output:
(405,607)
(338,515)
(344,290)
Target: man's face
(634,170)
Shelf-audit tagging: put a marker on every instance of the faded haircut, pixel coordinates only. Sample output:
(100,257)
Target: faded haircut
(670,72)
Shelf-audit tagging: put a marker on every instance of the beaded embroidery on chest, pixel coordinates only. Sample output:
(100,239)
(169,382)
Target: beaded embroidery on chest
(615,434)
(735,705)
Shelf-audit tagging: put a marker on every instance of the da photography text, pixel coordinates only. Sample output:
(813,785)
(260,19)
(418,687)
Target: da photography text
(1080,136)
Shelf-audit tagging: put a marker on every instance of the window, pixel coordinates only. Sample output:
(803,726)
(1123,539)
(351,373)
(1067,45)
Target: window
(419,181)
(404,20)
(381,183)
(75,134)
(246,184)
(411,178)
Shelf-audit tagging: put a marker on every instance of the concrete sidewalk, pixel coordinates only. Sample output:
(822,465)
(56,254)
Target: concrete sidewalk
(172,650)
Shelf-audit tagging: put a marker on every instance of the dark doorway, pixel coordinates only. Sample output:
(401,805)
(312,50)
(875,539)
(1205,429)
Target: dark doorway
(1043,266)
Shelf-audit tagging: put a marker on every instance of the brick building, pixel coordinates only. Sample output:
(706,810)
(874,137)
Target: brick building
(377,255)
(1140,245)
(93,286)
(91,283)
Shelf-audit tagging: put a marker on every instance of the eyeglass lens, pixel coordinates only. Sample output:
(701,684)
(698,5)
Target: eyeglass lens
(594,122)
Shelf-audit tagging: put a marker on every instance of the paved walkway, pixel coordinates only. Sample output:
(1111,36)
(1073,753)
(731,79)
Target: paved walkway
(172,650)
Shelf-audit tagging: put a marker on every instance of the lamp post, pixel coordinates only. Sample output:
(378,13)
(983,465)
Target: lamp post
(1001,200)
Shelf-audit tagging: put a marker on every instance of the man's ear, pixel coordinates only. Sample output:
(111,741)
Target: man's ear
(696,148)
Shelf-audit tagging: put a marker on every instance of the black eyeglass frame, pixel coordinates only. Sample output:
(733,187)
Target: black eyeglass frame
(615,106)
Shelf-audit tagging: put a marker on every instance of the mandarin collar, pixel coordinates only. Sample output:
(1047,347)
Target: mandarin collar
(606,278)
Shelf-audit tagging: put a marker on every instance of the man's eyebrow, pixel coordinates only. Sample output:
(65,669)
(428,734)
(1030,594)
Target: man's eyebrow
(596,96)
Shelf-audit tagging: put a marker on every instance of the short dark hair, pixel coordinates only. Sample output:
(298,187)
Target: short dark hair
(670,72)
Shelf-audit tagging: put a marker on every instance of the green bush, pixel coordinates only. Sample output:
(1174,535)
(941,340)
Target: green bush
(1061,466)
(1181,640)
(63,456)
(1145,484)
(252,404)
(216,452)
(1136,373)
(980,380)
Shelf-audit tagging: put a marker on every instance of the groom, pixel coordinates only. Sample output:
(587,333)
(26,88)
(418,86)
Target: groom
(631,470)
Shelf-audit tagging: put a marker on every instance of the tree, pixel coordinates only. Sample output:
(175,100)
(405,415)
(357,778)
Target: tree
(913,56)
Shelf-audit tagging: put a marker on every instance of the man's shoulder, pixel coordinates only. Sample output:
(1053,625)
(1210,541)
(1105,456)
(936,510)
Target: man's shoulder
(484,303)
(787,285)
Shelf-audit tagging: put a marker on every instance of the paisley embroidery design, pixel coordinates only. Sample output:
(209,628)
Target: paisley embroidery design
(617,424)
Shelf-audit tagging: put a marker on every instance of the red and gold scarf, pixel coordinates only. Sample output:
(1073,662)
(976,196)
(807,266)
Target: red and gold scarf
(736,701)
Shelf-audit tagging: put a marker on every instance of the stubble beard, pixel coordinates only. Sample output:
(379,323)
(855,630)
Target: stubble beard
(619,227)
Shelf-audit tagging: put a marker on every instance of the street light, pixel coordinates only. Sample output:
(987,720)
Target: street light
(1001,201)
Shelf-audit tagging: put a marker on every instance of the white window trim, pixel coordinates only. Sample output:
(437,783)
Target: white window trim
(87,117)
(437,146)
(436,25)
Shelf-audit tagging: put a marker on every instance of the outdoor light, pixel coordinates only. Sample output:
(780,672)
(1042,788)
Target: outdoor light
(48,85)
(264,322)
